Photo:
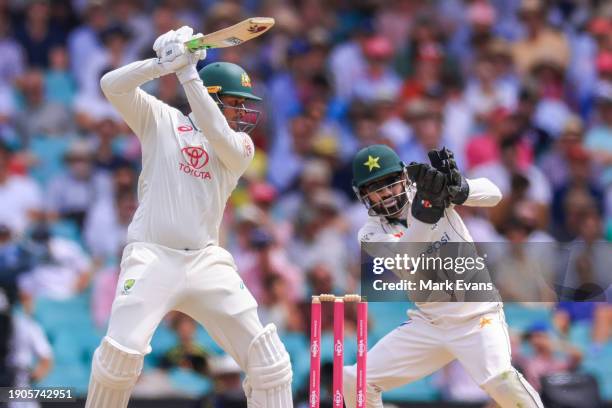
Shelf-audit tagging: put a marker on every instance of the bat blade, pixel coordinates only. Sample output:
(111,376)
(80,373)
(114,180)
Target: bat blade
(233,35)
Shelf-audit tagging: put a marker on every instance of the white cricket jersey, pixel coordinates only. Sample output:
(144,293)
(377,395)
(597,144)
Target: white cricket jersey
(450,228)
(190,164)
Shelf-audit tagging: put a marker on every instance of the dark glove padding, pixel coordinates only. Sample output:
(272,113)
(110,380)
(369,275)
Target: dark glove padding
(458,194)
(430,182)
(425,210)
(430,200)
(457,186)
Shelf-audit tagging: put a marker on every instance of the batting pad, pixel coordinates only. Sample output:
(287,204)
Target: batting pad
(114,372)
(511,390)
(269,375)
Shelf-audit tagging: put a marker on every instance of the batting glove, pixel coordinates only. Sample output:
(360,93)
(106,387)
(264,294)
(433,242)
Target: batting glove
(173,56)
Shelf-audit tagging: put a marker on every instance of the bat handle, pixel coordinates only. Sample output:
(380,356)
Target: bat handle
(194,44)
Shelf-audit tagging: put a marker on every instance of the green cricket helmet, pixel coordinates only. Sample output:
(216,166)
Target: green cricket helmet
(225,78)
(379,172)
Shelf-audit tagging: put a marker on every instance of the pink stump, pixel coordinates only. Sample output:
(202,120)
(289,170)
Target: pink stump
(362,352)
(315,354)
(337,391)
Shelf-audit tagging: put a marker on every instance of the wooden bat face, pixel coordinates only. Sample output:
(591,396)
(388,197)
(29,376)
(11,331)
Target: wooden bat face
(234,35)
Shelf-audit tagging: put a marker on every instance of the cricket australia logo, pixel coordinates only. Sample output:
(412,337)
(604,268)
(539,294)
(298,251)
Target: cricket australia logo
(196,158)
(245,80)
(127,286)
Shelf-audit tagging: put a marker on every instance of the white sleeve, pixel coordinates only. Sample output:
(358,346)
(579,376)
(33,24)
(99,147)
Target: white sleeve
(139,109)
(376,243)
(235,149)
(483,193)
(33,196)
(40,345)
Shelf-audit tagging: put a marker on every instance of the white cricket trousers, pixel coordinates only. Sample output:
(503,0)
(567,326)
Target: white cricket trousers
(419,347)
(203,284)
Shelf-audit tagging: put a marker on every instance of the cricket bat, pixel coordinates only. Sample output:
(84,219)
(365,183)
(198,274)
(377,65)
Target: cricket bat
(234,35)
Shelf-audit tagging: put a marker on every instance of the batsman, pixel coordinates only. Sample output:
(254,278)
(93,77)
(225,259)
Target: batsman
(173,261)
(416,203)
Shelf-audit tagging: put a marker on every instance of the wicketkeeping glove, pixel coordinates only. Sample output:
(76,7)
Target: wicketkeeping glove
(173,56)
(431,196)
(457,186)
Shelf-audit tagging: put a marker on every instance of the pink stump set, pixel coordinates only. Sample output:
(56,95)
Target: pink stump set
(315,349)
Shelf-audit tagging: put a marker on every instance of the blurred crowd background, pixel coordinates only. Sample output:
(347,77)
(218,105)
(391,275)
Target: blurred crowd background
(520,90)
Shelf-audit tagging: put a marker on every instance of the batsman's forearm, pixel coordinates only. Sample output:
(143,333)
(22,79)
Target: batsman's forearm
(130,76)
(483,193)
(229,145)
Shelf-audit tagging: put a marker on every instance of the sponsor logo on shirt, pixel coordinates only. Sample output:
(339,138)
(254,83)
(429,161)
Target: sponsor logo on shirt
(247,145)
(185,128)
(435,245)
(196,158)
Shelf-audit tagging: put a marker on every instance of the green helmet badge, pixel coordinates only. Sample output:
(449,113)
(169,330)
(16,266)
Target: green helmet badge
(225,78)
(372,163)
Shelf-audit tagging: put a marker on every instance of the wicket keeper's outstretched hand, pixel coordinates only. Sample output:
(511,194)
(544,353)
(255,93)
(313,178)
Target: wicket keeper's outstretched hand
(457,186)
(431,192)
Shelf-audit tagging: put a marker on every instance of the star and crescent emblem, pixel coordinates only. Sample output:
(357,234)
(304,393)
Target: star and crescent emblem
(372,163)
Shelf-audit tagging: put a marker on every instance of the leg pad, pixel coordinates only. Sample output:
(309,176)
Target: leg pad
(511,390)
(114,372)
(269,374)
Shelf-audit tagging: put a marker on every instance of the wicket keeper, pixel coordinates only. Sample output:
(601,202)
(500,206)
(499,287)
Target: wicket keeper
(416,203)
(173,261)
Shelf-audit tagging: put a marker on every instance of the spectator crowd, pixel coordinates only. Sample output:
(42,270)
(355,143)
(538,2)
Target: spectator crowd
(519,90)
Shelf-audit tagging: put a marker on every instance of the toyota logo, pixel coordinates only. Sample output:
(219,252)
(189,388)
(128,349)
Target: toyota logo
(196,156)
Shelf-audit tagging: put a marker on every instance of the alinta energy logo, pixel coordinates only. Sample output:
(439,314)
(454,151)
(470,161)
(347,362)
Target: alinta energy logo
(196,158)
